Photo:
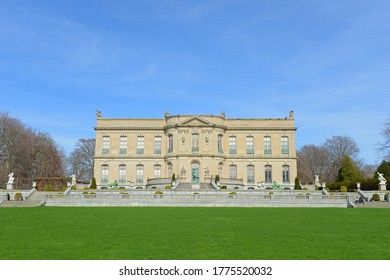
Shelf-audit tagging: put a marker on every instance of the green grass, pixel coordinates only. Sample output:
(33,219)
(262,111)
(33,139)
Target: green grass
(194,233)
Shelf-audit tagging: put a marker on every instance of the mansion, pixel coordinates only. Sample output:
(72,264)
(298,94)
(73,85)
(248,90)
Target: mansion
(244,153)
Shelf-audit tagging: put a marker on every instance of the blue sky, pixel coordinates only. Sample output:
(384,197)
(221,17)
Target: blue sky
(329,61)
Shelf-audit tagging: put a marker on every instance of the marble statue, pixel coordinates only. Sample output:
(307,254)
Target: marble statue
(11,178)
(381,178)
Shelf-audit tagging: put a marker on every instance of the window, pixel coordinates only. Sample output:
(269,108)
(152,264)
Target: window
(140,145)
(157,171)
(232,145)
(267,145)
(286,174)
(195,143)
(123,145)
(106,145)
(122,173)
(220,147)
(104,174)
(250,174)
(170,143)
(170,170)
(157,145)
(233,171)
(285,145)
(220,170)
(268,174)
(249,145)
(140,173)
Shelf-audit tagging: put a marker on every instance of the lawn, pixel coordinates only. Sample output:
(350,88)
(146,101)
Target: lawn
(194,233)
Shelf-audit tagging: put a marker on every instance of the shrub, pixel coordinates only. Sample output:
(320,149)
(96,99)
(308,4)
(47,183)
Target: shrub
(305,189)
(159,193)
(19,196)
(168,187)
(196,193)
(73,188)
(376,197)
(387,196)
(216,178)
(49,188)
(232,193)
(297,185)
(223,187)
(85,192)
(93,183)
(8,196)
(343,189)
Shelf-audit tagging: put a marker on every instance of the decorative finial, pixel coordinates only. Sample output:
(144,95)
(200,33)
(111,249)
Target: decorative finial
(291,115)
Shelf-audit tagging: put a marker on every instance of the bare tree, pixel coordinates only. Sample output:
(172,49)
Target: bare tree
(312,160)
(81,159)
(25,152)
(384,147)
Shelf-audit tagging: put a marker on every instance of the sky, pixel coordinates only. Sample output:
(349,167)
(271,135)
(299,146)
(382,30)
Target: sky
(329,61)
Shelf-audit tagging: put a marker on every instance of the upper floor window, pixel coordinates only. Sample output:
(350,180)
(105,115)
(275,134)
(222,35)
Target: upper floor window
(195,143)
(285,145)
(170,143)
(123,145)
(106,145)
(267,145)
(140,145)
(157,145)
(232,145)
(249,145)
(220,146)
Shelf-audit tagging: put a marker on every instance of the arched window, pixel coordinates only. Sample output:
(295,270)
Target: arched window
(233,171)
(140,173)
(122,173)
(104,174)
(170,143)
(170,170)
(250,174)
(286,174)
(268,174)
(157,171)
(220,169)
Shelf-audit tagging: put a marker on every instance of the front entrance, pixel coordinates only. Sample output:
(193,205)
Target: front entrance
(195,173)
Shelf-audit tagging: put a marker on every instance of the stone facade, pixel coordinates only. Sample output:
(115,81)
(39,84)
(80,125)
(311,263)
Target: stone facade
(196,148)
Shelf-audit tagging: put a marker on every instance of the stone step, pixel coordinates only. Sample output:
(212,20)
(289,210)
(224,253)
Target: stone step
(27,203)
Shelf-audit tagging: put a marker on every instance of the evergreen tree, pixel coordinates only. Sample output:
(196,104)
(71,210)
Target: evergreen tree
(348,171)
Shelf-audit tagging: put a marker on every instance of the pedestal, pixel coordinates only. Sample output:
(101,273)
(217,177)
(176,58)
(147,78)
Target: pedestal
(382,186)
(10,186)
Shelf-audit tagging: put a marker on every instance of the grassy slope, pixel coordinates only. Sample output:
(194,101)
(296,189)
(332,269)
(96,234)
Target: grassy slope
(194,233)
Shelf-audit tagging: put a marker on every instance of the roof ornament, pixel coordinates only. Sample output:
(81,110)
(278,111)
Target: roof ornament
(98,114)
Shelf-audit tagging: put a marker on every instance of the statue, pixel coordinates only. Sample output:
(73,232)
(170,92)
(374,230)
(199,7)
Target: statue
(223,114)
(291,114)
(11,178)
(183,172)
(98,114)
(381,178)
(113,184)
(166,114)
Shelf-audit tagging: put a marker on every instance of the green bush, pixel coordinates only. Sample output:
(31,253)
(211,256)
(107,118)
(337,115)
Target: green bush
(49,188)
(85,192)
(168,187)
(159,192)
(232,193)
(223,187)
(19,196)
(216,178)
(297,185)
(376,197)
(343,189)
(73,188)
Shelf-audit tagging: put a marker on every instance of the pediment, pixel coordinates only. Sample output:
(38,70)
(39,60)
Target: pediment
(196,121)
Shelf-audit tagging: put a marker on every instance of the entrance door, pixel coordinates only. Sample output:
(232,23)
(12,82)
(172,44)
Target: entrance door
(195,172)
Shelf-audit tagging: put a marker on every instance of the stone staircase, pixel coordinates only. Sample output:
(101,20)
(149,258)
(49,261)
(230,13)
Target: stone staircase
(37,199)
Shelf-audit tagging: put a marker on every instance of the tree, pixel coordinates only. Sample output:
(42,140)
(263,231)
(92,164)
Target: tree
(26,152)
(81,159)
(312,160)
(348,171)
(384,146)
(383,168)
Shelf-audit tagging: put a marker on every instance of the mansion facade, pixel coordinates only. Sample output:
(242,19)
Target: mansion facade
(196,148)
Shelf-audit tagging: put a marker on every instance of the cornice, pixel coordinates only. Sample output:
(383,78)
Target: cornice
(130,128)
